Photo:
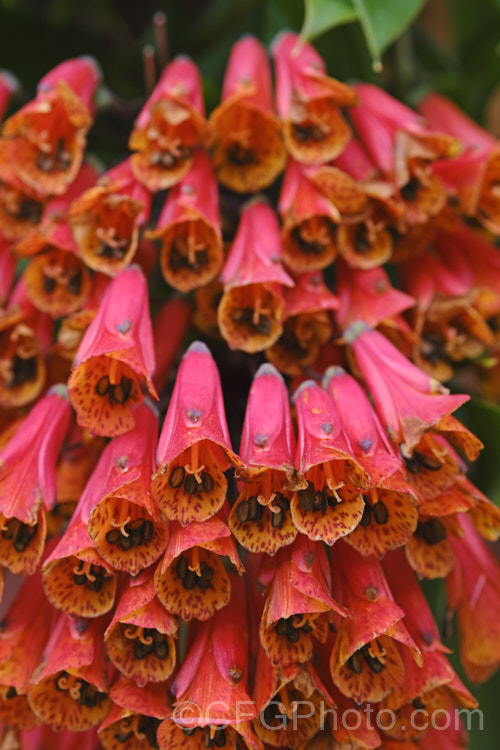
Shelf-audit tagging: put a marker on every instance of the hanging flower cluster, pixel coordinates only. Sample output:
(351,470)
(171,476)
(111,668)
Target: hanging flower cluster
(177,592)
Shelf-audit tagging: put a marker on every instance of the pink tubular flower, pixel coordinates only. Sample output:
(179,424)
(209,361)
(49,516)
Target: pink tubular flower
(307,324)
(309,221)
(251,310)
(70,691)
(309,102)
(368,296)
(45,139)
(365,662)
(298,603)
(169,127)
(473,174)
(194,448)
(57,280)
(249,152)
(28,480)
(390,515)
(190,580)
(26,627)
(330,504)
(115,357)
(135,714)
(473,590)
(140,639)
(125,523)
(403,149)
(408,401)
(76,578)
(105,219)
(189,229)
(260,518)
(436,673)
(212,684)
(8,86)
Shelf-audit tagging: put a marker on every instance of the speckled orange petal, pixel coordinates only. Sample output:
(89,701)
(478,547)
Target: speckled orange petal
(172,736)
(316,131)
(79,599)
(22,366)
(21,545)
(364,245)
(384,527)
(126,535)
(250,317)
(433,470)
(191,252)
(486,518)
(424,196)
(174,502)
(298,648)
(67,701)
(270,531)
(460,437)
(249,153)
(143,654)
(15,711)
(359,681)
(300,342)
(105,228)
(102,414)
(46,139)
(20,211)
(130,731)
(335,522)
(429,560)
(164,147)
(309,244)
(195,601)
(277,724)
(57,282)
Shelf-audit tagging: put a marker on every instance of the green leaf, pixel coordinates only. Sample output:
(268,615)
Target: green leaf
(383,21)
(322,15)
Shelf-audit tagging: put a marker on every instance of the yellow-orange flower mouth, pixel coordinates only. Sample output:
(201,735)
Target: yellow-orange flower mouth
(172,736)
(249,152)
(22,367)
(279,724)
(66,701)
(19,212)
(57,282)
(191,253)
(372,672)
(105,229)
(79,588)
(15,711)
(192,487)
(195,585)
(126,535)
(316,131)
(300,342)
(102,391)
(310,244)
(165,146)
(329,507)
(388,521)
(134,732)
(143,654)
(260,519)
(250,317)
(21,544)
